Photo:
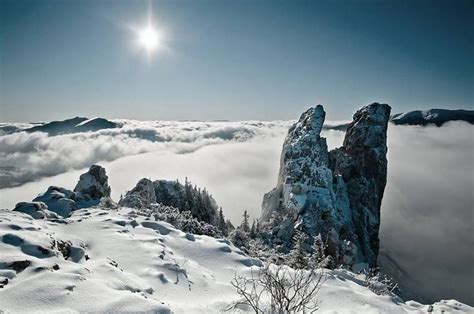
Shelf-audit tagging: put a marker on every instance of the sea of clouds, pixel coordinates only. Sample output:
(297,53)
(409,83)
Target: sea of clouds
(427,210)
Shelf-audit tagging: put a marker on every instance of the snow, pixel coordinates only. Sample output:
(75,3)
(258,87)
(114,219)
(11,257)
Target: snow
(86,121)
(119,261)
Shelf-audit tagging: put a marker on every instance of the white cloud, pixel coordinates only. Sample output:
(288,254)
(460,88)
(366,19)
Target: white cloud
(427,210)
(25,157)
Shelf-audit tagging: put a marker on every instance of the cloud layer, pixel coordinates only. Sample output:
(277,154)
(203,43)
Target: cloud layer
(427,210)
(26,157)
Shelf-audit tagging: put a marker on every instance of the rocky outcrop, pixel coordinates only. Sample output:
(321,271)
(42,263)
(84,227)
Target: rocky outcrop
(59,200)
(91,190)
(93,184)
(141,196)
(337,193)
(362,164)
(172,193)
(37,210)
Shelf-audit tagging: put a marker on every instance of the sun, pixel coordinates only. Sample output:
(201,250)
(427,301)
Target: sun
(149,38)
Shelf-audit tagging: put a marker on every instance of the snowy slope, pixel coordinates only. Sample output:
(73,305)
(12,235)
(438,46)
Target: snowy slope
(120,261)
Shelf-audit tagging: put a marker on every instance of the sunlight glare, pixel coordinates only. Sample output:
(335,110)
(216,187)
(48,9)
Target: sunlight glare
(149,38)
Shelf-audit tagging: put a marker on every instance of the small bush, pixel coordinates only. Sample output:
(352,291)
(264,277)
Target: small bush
(279,289)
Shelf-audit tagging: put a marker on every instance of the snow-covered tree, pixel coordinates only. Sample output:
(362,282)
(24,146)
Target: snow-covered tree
(253,232)
(222,225)
(230,227)
(240,238)
(317,255)
(245,222)
(298,256)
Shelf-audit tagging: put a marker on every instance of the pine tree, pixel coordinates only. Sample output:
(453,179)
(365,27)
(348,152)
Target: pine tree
(257,228)
(230,227)
(318,252)
(221,223)
(298,256)
(245,223)
(188,195)
(253,233)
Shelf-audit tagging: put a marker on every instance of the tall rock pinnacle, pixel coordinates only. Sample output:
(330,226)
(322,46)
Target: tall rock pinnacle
(362,163)
(337,194)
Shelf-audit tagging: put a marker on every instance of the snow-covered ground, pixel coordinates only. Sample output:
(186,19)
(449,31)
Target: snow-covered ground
(119,261)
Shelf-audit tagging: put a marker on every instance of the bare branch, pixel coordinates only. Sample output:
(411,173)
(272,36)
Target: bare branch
(286,290)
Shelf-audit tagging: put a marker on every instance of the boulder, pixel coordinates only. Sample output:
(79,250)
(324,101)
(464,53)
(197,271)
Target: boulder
(93,185)
(37,210)
(58,200)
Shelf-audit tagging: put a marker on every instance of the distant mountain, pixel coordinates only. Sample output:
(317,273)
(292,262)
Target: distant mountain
(74,125)
(336,127)
(432,116)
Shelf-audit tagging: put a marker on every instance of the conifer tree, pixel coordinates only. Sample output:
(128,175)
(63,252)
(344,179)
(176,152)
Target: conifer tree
(221,222)
(245,223)
(298,256)
(318,252)
(229,226)
(257,228)
(253,233)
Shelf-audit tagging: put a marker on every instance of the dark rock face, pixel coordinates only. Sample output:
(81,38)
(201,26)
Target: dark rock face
(362,163)
(337,193)
(19,266)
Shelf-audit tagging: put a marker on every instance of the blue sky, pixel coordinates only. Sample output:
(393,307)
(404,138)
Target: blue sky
(233,60)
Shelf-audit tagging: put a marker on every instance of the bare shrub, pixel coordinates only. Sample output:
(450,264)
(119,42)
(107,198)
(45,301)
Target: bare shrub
(279,289)
(379,283)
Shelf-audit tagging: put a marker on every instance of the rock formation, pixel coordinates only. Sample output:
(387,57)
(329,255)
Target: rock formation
(141,196)
(93,184)
(37,210)
(336,194)
(172,193)
(92,188)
